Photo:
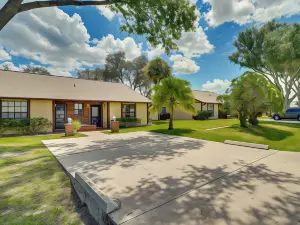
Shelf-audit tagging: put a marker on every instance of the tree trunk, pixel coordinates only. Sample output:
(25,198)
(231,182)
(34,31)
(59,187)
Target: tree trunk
(8,11)
(12,7)
(298,95)
(243,119)
(286,103)
(171,119)
(253,119)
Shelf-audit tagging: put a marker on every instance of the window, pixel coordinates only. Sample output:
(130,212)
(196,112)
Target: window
(128,110)
(78,109)
(14,109)
(210,107)
(163,110)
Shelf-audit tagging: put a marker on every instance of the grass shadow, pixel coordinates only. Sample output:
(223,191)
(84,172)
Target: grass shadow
(292,125)
(178,132)
(160,122)
(20,148)
(268,133)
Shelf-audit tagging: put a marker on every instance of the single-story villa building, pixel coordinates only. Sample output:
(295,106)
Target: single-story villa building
(204,101)
(24,95)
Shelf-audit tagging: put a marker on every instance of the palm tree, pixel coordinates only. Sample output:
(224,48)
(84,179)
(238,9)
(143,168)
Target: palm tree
(173,93)
(157,69)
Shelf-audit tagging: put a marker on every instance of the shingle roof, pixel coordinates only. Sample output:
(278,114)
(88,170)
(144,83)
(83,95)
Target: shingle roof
(206,96)
(26,85)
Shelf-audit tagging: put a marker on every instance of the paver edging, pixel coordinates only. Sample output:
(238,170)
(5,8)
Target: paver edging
(247,144)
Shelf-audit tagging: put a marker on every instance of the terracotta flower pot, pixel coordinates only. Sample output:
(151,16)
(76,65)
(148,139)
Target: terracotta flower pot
(69,129)
(115,126)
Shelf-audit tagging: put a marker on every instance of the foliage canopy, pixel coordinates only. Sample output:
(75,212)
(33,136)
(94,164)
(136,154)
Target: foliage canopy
(274,52)
(252,94)
(160,21)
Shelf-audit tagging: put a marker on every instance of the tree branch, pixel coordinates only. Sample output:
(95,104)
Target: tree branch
(42,4)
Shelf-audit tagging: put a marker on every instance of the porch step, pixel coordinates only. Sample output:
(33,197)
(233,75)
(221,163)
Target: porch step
(87,127)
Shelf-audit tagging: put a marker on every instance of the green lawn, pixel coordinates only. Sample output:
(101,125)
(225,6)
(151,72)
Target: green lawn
(278,136)
(33,187)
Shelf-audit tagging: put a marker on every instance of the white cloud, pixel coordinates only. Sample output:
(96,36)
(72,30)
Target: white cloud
(58,72)
(228,10)
(184,65)
(154,52)
(10,66)
(128,45)
(59,41)
(105,11)
(194,44)
(4,55)
(94,41)
(217,85)
(270,9)
(245,11)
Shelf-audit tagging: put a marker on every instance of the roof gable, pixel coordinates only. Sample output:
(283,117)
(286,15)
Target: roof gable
(206,96)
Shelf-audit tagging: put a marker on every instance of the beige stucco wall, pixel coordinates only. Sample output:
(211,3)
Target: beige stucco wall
(141,112)
(42,108)
(115,109)
(153,115)
(198,106)
(182,115)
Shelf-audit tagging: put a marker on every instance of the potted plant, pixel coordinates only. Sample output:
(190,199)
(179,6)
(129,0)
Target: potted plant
(77,125)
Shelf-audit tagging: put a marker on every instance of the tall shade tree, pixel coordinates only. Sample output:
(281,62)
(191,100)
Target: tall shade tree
(157,69)
(115,67)
(118,69)
(274,52)
(173,93)
(225,108)
(160,21)
(135,76)
(252,94)
(87,74)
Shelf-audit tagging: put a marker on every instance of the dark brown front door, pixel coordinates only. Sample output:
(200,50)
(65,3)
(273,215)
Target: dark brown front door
(60,116)
(96,115)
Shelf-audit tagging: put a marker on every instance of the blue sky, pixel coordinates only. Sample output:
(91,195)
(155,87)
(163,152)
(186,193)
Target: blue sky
(70,38)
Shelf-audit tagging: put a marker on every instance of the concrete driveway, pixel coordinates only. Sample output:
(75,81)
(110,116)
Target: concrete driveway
(167,180)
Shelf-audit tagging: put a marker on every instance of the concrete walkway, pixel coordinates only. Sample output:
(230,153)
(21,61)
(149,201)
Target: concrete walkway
(165,180)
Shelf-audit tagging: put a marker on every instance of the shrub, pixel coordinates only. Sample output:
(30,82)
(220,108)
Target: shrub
(129,120)
(25,126)
(76,124)
(203,115)
(36,125)
(12,124)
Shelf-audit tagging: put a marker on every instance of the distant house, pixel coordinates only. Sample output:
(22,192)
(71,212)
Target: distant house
(204,101)
(24,95)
